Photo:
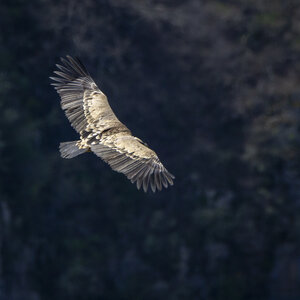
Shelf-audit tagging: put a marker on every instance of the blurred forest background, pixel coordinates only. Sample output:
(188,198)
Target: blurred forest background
(214,87)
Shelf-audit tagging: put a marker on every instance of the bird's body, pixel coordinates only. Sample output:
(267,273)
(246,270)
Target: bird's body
(101,132)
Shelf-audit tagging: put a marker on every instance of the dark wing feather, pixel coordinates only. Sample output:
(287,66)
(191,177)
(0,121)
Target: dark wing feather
(127,155)
(84,104)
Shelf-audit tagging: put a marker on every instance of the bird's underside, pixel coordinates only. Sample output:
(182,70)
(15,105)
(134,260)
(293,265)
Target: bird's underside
(101,132)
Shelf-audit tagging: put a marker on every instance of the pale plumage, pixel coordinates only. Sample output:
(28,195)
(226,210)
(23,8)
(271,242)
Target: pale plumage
(101,132)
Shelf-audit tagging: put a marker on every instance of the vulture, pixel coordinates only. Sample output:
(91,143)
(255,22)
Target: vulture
(90,114)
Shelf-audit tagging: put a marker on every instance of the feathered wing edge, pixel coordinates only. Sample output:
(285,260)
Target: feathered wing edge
(71,81)
(142,171)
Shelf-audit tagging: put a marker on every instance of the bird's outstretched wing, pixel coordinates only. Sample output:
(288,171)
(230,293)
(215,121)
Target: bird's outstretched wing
(127,155)
(84,104)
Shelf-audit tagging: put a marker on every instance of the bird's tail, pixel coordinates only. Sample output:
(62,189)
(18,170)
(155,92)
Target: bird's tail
(70,149)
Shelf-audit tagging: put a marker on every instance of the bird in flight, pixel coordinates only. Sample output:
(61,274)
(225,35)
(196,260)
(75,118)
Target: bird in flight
(101,132)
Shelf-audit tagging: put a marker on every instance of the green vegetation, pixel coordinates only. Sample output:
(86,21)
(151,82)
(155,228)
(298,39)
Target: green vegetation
(214,89)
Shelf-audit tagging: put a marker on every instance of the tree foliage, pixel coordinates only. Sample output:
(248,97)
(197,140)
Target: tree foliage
(214,88)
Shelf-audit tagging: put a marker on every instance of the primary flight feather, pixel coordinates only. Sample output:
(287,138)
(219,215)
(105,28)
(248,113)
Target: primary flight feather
(101,132)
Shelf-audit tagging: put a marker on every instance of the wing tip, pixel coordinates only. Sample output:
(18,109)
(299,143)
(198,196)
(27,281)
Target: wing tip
(156,180)
(70,69)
